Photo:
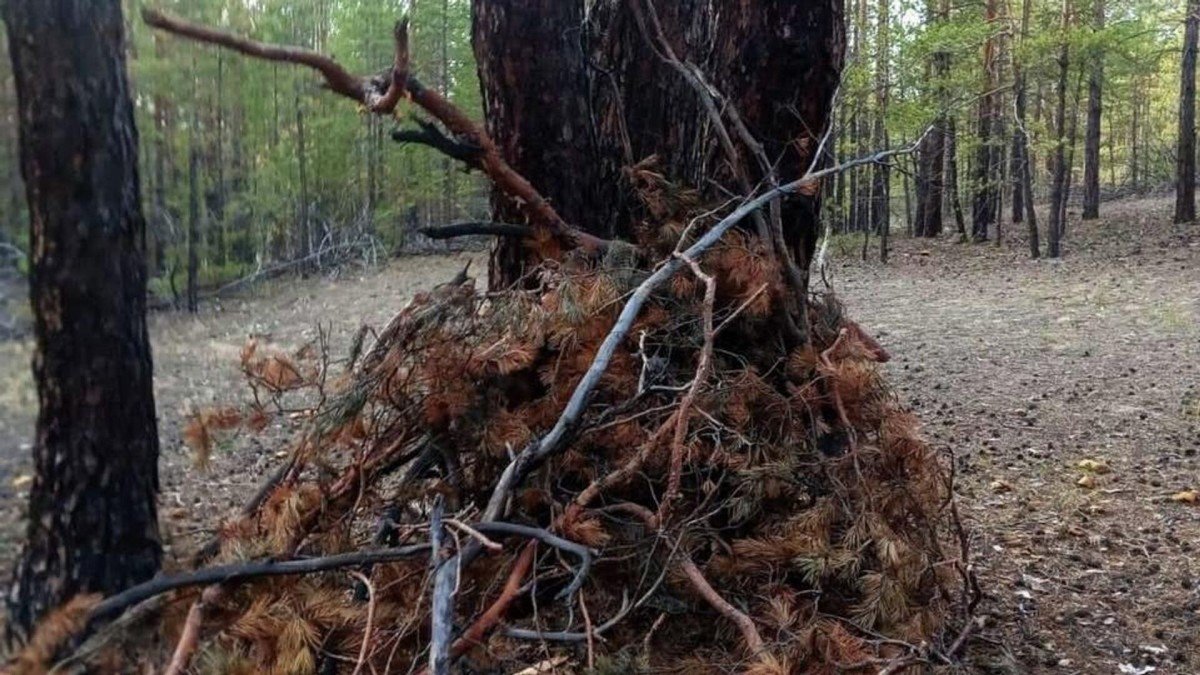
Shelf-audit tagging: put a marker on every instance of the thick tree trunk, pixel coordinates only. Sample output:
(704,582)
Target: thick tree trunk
(1091,150)
(1185,169)
(571,110)
(92,514)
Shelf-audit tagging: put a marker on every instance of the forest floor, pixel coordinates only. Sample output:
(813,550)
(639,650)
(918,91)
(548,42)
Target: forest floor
(1022,369)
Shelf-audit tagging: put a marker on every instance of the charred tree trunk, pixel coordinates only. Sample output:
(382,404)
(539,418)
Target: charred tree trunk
(533,72)
(1185,169)
(615,102)
(1091,150)
(92,517)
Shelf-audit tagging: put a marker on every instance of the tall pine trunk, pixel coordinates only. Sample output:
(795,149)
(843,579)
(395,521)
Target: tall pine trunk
(93,523)
(1185,168)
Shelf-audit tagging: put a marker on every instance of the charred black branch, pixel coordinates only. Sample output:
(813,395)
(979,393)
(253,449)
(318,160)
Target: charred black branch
(467,229)
(431,135)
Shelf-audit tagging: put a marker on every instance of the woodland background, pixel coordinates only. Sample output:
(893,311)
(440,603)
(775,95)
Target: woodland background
(262,167)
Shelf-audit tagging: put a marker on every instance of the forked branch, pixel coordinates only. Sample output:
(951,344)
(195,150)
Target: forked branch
(381,96)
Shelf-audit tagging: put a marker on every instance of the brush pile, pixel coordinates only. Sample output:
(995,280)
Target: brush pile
(721,504)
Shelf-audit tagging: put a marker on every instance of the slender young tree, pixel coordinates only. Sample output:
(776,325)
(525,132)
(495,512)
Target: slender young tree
(1185,170)
(93,523)
(881,191)
(1091,149)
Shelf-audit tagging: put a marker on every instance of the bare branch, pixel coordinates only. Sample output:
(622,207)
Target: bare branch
(235,572)
(477,228)
(432,136)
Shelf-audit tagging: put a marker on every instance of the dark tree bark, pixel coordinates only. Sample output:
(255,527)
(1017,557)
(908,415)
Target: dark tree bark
(1058,192)
(571,109)
(534,75)
(1091,149)
(92,516)
(1185,168)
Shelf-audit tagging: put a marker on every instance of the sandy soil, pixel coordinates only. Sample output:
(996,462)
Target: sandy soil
(1021,369)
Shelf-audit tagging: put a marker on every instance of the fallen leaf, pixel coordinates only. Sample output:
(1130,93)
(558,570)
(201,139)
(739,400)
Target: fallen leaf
(1088,482)
(22,480)
(1185,497)
(1094,466)
(1001,486)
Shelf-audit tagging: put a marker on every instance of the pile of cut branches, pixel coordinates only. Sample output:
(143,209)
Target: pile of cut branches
(624,463)
(710,503)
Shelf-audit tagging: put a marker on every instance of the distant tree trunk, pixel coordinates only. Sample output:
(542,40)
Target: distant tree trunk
(93,523)
(193,231)
(303,226)
(617,103)
(1058,194)
(882,189)
(1185,168)
(932,153)
(193,226)
(1134,164)
(986,186)
(953,196)
(1021,170)
(1091,150)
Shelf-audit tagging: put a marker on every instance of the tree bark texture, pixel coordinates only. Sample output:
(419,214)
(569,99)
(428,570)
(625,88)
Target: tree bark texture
(573,116)
(92,515)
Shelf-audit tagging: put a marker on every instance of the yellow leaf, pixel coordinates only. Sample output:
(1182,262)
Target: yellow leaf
(21,481)
(1088,482)
(1094,466)
(1185,497)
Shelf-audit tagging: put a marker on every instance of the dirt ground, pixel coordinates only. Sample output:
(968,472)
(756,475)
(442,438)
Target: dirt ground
(1021,369)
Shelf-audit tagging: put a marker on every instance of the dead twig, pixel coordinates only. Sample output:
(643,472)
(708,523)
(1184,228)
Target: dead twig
(366,640)
(678,443)
(190,637)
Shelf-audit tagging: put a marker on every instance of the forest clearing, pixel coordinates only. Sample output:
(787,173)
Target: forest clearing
(599,336)
(1009,362)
